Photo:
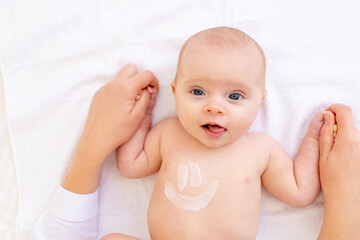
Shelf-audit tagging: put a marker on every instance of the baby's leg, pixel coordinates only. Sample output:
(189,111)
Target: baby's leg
(118,236)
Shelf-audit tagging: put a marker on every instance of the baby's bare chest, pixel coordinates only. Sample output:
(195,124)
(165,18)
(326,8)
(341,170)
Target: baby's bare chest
(229,172)
(195,186)
(188,162)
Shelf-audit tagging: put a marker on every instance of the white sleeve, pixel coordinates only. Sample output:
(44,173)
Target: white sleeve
(69,216)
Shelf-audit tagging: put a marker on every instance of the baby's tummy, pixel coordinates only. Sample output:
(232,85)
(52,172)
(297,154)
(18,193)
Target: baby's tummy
(213,211)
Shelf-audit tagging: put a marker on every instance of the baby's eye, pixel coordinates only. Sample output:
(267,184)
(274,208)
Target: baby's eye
(235,96)
(197,92)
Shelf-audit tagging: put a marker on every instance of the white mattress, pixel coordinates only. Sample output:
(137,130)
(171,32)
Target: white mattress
(56,54)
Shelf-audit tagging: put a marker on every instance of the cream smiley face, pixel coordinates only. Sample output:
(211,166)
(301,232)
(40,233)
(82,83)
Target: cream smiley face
(191,203)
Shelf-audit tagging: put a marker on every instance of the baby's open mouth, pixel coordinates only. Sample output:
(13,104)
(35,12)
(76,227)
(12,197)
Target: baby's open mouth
(213,130)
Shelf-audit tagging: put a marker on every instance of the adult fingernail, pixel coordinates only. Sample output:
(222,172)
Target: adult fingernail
(335,128)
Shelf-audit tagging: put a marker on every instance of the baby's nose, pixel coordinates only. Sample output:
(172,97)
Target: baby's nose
(214,109)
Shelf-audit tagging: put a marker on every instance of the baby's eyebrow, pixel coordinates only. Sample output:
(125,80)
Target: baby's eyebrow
(235,84)
(240,85)
(192,80)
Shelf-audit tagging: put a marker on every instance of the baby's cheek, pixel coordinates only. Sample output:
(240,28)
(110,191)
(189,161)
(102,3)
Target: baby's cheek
(241,128)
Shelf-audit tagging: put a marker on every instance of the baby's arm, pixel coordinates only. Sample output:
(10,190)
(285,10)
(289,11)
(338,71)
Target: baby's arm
(140,156)
(295,182)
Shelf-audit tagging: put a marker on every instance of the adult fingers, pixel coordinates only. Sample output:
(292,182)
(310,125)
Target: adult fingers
(126,72)
(344,118)
(326,140)
(142,80)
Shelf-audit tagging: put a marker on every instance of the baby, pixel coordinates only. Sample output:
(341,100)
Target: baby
(210,169)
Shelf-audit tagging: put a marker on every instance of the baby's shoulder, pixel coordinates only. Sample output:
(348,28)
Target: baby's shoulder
(167,124)
(261,139)
(168,128)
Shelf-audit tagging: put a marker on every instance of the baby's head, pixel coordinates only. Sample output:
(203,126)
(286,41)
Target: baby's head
(219,85)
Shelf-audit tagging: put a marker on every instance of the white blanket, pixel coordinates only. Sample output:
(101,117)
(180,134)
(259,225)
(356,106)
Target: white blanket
(56,54)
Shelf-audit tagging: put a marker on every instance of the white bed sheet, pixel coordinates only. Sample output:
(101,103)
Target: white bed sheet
(8,183)
(55,54)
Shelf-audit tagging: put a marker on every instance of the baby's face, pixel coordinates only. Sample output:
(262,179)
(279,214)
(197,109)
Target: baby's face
(218,94)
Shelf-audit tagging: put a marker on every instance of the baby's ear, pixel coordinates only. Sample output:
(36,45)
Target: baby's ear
(173,84)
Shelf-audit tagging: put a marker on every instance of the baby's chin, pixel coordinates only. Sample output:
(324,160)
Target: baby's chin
(214,143)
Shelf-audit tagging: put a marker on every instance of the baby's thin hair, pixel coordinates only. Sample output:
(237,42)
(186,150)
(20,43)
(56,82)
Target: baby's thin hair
(223,38)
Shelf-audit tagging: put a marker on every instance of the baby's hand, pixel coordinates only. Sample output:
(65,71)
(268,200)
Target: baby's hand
(153,95)
(152,92)
(316,124)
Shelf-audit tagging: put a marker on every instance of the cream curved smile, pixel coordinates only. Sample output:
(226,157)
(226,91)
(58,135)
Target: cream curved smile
(191,203)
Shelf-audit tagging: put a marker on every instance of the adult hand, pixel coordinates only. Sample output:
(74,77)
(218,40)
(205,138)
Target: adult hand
(340,175)
(118,108)
(116,111)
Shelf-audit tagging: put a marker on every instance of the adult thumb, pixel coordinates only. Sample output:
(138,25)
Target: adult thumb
(326,140)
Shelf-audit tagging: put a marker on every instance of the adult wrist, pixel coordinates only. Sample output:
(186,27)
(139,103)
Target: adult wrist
(338,225)
(93,148)
(83,174)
